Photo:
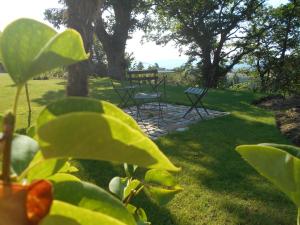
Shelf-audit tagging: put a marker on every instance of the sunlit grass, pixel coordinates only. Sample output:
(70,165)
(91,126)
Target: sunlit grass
(219,187)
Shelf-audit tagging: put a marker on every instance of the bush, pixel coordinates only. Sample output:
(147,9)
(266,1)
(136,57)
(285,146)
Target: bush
(58,73)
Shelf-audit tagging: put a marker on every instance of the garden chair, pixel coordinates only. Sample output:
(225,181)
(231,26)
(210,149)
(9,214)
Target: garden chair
(148,90)
(195,95)
(125,92)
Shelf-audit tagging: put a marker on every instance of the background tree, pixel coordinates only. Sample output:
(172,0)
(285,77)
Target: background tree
(216,32)
(99,60)
(153,67)
(140,66)
(114,23)
(79,15)
(277,49)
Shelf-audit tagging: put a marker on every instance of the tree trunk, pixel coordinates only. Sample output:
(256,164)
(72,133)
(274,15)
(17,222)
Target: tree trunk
(208,76)
(116,67)
(81,15)
(114,44)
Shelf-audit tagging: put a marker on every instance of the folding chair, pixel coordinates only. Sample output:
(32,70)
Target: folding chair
(148,84)
(195,96)
(125,93)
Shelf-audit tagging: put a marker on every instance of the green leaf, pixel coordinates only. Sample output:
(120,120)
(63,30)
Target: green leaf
(87,135)
(70,189)
(40,168)
(160,186)
(66,214)
(160,177)
(23,150)
(64,49)
(293,150)
(1,121)
(31,131)
(129,169)
(139,215)
(79,104)
(0,51)
(278,165)
(29,47)
(132,185)
(117,186)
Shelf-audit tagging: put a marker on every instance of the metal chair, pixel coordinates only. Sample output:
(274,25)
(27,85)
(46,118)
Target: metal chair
(148,91)
(125,93)
(195,95)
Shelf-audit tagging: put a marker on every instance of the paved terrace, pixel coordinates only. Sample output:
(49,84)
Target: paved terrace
(172,120)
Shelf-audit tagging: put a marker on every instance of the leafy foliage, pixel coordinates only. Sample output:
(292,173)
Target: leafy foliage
(279,163)
(74,127)
(217,34)
(114,23)
(110,138)
(158,185)
(40,47)
(23,150)
(276,57)
(70,189)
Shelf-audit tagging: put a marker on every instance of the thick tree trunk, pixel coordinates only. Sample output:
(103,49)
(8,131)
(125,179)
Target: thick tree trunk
(116,64)
(114,44)
(81,14)
(207,70)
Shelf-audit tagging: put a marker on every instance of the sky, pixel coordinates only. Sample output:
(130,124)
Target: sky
(148,53)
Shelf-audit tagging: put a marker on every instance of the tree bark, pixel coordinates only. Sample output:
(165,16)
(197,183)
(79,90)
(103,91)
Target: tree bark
(81,15)
(116,66)
(114,44)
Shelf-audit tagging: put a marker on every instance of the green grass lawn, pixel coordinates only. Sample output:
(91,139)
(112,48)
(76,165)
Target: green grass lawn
(219,187)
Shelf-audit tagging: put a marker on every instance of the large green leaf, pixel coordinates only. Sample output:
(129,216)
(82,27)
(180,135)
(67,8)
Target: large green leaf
(278,165)
(161,186)
(88,135)
(79,104)
(23,150)
(40,168)
(293,150)
(66,214)
(70,189)
(29,47)
(0,45)
(1,121)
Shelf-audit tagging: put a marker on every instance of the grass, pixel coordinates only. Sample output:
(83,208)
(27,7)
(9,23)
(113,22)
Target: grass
(219,187)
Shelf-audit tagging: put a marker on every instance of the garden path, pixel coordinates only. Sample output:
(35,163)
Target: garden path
(172,119)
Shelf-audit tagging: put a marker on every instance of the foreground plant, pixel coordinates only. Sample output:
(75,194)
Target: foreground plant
(36,183)
(159,185)
(280,164)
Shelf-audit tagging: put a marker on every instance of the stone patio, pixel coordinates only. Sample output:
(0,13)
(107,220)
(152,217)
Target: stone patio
(172,119)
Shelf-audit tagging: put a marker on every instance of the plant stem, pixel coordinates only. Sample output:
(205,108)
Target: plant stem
(29,106)
(298,217)
(9,122)
(19,88)
(8,131)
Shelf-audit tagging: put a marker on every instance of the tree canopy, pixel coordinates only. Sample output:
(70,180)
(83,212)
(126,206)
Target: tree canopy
(217,33)
(276,56)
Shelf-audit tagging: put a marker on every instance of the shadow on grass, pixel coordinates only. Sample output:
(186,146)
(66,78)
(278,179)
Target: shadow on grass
(260,215)
(209,163)
(215,166)
(98,88)
(49,96)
